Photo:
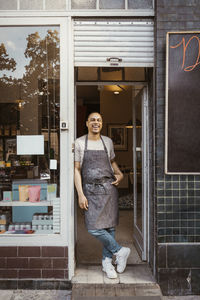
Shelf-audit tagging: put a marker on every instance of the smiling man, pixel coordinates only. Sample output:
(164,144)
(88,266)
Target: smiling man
(96,179)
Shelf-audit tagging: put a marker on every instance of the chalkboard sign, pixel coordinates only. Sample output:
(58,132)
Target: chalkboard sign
(182,135)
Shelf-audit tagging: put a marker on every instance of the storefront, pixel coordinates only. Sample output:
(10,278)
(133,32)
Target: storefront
(60,61)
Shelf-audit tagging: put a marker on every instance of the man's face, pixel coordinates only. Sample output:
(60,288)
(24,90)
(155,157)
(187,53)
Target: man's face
(94,123)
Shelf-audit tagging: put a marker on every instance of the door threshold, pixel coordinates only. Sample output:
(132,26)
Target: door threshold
(134,274)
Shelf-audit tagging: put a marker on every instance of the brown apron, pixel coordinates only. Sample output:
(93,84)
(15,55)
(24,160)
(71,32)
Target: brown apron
(102,196)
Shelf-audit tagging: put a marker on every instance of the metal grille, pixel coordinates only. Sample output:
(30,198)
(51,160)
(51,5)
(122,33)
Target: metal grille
(114,43)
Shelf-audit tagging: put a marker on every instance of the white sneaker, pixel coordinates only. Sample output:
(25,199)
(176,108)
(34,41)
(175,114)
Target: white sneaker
(121,258)
(108,268)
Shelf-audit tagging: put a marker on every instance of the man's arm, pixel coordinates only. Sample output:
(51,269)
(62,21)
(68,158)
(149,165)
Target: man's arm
(118,174)
(82,200)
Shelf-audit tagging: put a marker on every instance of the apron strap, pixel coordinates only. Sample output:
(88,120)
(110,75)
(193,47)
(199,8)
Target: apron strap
(104,145)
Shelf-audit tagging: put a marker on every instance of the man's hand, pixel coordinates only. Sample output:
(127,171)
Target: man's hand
(118,179)
(83,202)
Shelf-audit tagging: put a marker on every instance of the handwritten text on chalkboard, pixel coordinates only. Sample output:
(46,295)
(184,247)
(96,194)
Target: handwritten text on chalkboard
(187,52)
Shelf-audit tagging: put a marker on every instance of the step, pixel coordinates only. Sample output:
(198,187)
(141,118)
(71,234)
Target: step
(117,298)
(136,282)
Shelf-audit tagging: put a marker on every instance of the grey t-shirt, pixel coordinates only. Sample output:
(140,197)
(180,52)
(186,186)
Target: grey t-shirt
(93,145)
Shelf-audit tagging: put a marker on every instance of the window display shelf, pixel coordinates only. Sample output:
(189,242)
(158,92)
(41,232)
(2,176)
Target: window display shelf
(20,203)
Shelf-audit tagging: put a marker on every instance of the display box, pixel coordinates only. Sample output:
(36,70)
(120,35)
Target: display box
(51,191)
(29,182)
(7,196)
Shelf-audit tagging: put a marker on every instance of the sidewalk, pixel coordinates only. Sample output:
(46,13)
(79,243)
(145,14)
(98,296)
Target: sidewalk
(63,295)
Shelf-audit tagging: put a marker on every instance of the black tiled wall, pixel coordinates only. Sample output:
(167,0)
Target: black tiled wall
(178,197)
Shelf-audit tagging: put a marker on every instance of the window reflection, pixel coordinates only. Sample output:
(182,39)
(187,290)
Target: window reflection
(29,105)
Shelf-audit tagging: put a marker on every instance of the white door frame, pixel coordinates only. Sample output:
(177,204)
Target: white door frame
(73,216)
(141,237)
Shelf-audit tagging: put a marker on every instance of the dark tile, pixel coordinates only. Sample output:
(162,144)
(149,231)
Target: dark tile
(160,185)
(197,185)
(168,200)
(175,185)
(5,273)
(40,263)
(195,279)
(183,193)
(169,239)
(8,284)
(29,252)
(161,208)
(190,185)
(183,200)
(175,223)
(176,193)
(162,239)
(161,231)
(53,251)
(161,216)
(60,263)
(168,193)
(168,185)
(190,193)
(175,177)
(169,231)
(27,284)
(184,231)
(175,200)
(160,193)
(17,263)
(174,281)
(183,178)
(183,256)
(53,274)
(161,224)
(8,252)
(161,200)
(183,185)
(176,231)
(30,273)
(169,223)
(3,263)
(161,256)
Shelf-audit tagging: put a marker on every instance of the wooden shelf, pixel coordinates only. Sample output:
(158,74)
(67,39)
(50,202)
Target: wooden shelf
(19,203)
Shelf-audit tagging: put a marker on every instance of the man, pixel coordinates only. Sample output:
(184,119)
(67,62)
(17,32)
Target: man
(96,178)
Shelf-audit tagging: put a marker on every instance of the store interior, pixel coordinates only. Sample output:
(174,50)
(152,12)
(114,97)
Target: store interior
(115,103)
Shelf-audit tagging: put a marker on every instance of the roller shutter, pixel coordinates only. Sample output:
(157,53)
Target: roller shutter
(110,43)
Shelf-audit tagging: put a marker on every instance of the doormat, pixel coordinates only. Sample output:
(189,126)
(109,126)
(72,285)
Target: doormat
(117,298)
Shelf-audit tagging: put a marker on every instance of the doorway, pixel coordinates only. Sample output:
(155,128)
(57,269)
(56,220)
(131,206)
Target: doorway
(123,106)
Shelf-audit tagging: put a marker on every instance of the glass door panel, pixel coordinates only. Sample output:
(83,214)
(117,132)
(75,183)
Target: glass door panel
(139,174)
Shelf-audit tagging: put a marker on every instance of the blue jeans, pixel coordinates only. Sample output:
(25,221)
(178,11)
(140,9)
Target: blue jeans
(107,238)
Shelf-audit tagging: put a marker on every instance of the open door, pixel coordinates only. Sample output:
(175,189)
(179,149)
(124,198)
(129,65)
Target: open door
(140,171)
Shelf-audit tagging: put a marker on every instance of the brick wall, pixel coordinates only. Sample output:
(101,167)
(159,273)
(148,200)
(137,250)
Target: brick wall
(33,263)
(178,200)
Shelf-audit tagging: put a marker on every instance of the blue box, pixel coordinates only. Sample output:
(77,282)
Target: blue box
(16,183)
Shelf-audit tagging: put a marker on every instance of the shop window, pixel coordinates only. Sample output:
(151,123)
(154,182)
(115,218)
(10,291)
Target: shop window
(111,4)
(83,4)
(134,74)
(29,130)
(87,74)
(111,74)
(140,4)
